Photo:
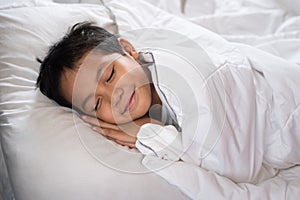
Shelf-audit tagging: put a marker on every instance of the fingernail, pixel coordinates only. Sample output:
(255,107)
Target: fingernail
(84,117)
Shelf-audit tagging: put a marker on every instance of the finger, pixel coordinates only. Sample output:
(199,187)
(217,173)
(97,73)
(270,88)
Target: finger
(91,120)
(118,135)
(124,143)
(130,145)
(97,122)
(109,126)
(97,129)
(100,130)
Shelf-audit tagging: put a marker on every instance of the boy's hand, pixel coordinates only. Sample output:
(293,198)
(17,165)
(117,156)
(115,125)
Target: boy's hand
(124,134)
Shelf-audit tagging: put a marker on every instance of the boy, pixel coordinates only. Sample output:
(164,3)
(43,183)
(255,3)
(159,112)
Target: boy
(232,119)
(82,49)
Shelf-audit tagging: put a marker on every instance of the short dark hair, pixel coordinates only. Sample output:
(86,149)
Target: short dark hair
(80,39)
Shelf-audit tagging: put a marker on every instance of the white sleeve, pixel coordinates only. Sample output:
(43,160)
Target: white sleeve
(199,183)
(162,141)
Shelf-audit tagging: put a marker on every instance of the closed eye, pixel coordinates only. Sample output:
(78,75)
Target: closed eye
(111,75)
(97,104)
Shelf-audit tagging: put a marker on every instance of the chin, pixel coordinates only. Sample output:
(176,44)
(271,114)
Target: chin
(137,115)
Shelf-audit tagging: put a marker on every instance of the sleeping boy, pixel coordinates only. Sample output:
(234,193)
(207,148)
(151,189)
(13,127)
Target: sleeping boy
(234,118)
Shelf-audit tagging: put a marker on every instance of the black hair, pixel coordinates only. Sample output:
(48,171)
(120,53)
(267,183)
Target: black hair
(80,39)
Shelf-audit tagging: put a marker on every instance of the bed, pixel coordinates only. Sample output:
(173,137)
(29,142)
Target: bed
(47,152)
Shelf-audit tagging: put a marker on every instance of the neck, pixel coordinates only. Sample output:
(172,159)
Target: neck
(155,97)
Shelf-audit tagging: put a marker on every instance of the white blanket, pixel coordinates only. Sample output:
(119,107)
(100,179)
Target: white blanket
(271,25)
(262,86)
(50,153)
(240,121)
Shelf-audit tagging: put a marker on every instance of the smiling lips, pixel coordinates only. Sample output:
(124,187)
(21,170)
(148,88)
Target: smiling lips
(130,102)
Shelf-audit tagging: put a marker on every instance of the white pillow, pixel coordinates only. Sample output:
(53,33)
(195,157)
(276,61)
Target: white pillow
(50,153)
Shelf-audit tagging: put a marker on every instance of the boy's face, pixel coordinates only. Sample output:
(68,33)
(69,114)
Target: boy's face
(113,87)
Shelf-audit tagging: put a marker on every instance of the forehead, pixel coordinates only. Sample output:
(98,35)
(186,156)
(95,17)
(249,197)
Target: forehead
(94,59)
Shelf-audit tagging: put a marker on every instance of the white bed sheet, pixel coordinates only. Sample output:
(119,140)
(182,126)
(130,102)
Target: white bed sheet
(268,36)
(60,165)
(271,25)
(49,152)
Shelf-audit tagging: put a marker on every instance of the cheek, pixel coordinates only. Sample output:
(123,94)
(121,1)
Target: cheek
(135,74)
(105,114)
(143,100)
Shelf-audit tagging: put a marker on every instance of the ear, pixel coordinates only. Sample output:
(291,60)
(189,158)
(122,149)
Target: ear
(128,47)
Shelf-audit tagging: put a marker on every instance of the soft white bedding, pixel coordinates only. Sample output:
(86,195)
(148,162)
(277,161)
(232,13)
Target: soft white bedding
(50,153)
(191,179)
(271,25)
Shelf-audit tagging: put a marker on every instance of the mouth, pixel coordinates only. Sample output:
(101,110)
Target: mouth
(131,102)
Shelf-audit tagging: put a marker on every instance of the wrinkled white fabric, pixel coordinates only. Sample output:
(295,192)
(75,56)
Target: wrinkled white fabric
(242,121)
(199,183)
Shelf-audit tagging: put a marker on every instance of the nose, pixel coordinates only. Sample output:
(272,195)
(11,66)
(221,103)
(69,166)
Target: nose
(116,96)
(110,94)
